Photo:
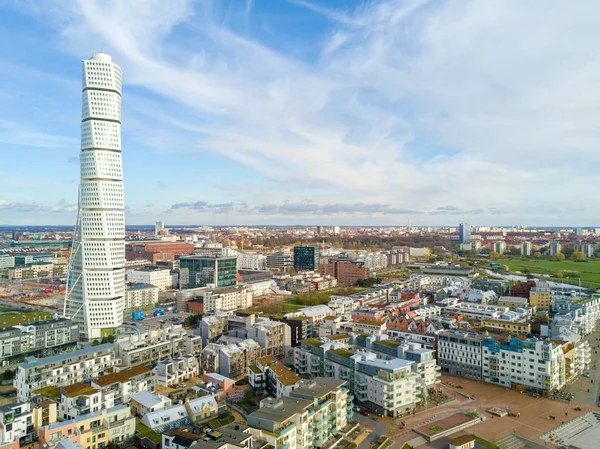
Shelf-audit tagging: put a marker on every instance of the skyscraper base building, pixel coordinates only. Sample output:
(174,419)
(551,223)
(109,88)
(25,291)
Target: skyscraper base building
(96,291)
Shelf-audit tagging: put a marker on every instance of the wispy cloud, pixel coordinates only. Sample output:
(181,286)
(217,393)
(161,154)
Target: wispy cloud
(59,207)
(409,105)
(13,133)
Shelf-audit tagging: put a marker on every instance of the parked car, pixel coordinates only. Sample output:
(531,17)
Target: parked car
(363,412)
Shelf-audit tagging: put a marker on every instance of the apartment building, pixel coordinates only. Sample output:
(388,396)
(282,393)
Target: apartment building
(274,337)
(140,295)
(280,260)
(512,302)
(330,411)
(341,305)
(45,411)
(473,311)
(540,296)
(230,360)
(268,376)
(347,272)
(384,347)
(278,419)
(428,341)
(213,326)
(169,373)
(91,431)
(42,337)
(152,345)
(460,354)
(16,423)
(153,275)
(225,299)
(524,363)
(309,418)
(252,261)
(507,326)
(390,387)
(120,386)
(64,369)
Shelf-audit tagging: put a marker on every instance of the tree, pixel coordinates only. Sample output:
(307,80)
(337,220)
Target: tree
(192,320)
(108,339)
(537,255)
(494,255)
(559,257)
(578,256)
(558,274)
(513,251)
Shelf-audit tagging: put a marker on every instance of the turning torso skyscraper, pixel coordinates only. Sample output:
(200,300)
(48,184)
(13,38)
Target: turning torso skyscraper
(97,274)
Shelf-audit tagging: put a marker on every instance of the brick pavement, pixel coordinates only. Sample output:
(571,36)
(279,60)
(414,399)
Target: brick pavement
(531,424)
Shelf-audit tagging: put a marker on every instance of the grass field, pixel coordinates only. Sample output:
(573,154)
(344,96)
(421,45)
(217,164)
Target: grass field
(13,318)
(588,272)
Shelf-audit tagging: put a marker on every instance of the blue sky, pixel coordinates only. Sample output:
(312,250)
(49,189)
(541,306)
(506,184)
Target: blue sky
(311,112)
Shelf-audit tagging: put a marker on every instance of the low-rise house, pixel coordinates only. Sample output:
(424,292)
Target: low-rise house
(202,409)
(167,418)
(216,385)
(91,431)
(145,402)
(195,412)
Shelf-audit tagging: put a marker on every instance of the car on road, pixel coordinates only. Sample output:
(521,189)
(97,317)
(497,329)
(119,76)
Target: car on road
(587,375)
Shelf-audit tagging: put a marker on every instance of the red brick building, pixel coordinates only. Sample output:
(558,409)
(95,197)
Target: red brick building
(345,271)
(155,251)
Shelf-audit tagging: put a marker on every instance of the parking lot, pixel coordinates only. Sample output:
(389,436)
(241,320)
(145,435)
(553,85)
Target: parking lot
(151,321)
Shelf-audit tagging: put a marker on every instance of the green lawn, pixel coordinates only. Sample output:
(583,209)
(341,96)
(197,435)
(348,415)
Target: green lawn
(588,272)
(8,319)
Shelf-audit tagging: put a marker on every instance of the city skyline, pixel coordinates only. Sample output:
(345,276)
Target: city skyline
(299,112)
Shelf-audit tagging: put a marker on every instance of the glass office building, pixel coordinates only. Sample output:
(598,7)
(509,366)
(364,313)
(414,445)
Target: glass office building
(306,257)
(205,270)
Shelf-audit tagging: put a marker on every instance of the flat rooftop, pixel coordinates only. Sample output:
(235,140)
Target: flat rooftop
(317,387)
(68,355)
(280,410)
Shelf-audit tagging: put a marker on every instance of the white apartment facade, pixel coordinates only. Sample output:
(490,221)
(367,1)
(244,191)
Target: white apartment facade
(140,295)
(158,277)
(252,261)
(64,369)
(97,275)
(169,373)
(226,299)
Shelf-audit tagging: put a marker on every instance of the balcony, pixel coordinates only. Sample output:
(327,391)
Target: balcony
(286,429)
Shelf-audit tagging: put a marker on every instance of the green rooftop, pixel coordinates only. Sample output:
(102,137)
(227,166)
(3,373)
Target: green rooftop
(255,369)
(342,353)
(147,432)
(312,342)
(338,337)
(388,343)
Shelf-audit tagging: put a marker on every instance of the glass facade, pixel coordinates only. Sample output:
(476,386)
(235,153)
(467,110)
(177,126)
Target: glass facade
(306,258)
(204,270)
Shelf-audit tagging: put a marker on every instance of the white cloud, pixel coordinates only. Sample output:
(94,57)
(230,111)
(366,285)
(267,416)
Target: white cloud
(492,105)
